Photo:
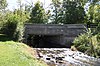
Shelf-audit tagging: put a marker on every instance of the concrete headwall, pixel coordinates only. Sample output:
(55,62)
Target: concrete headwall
(66,33)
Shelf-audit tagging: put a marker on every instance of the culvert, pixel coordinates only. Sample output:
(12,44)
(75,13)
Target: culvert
(51,34)
(44,41)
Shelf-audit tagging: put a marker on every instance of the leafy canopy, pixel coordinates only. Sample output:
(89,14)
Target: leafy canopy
(38,14)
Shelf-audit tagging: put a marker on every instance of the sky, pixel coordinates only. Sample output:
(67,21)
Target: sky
(12,4)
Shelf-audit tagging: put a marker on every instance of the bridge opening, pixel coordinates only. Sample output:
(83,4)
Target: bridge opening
(44,41)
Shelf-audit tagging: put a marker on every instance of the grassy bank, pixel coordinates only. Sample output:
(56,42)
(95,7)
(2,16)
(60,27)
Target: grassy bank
(17,54)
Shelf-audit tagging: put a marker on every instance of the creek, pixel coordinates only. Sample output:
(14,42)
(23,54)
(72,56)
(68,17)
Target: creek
(65,57)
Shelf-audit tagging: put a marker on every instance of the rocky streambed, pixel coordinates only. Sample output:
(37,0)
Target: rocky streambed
(65,57)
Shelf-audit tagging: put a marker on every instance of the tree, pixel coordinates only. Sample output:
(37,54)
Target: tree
(57,12)
(68,11)
(9,27)
(83,2)
(38,14)
(94,12)
(3,4)
(73,11)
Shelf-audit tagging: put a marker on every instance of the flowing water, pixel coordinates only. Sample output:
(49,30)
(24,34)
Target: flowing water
(65,57)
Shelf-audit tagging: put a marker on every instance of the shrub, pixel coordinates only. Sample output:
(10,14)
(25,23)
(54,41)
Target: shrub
(82,42)
(19,33)
(88,43)
(10,26)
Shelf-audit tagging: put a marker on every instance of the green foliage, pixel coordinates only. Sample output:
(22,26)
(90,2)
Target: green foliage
(83,2)
(73,12)
(10,26)
(68,11)
(94,12)
(23,16)
(17,54)
(38,14)
(3,17)
(57,12)
(11,23)
(3,4)
(88,43)
(13,26)
(18,36)
(82,42)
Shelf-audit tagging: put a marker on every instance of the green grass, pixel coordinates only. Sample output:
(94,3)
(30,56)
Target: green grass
(16,54)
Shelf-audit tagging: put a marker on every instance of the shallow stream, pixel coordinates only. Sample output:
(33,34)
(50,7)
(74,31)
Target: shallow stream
(65,57)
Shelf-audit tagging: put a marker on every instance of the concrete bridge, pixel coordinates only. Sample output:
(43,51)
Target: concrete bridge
(45,35)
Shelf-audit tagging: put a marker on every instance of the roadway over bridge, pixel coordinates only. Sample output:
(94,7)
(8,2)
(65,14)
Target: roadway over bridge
(42,35)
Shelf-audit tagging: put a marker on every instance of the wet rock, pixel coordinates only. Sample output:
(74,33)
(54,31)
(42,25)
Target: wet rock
(58,58)
(47,58)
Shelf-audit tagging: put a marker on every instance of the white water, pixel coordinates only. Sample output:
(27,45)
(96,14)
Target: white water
(66,57)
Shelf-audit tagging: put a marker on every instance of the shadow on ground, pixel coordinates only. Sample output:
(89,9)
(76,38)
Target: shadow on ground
(4,37)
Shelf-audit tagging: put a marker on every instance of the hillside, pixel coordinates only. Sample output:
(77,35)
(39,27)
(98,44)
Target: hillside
(18,54)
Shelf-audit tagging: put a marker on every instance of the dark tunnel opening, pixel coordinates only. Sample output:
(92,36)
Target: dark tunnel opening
(44,41)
